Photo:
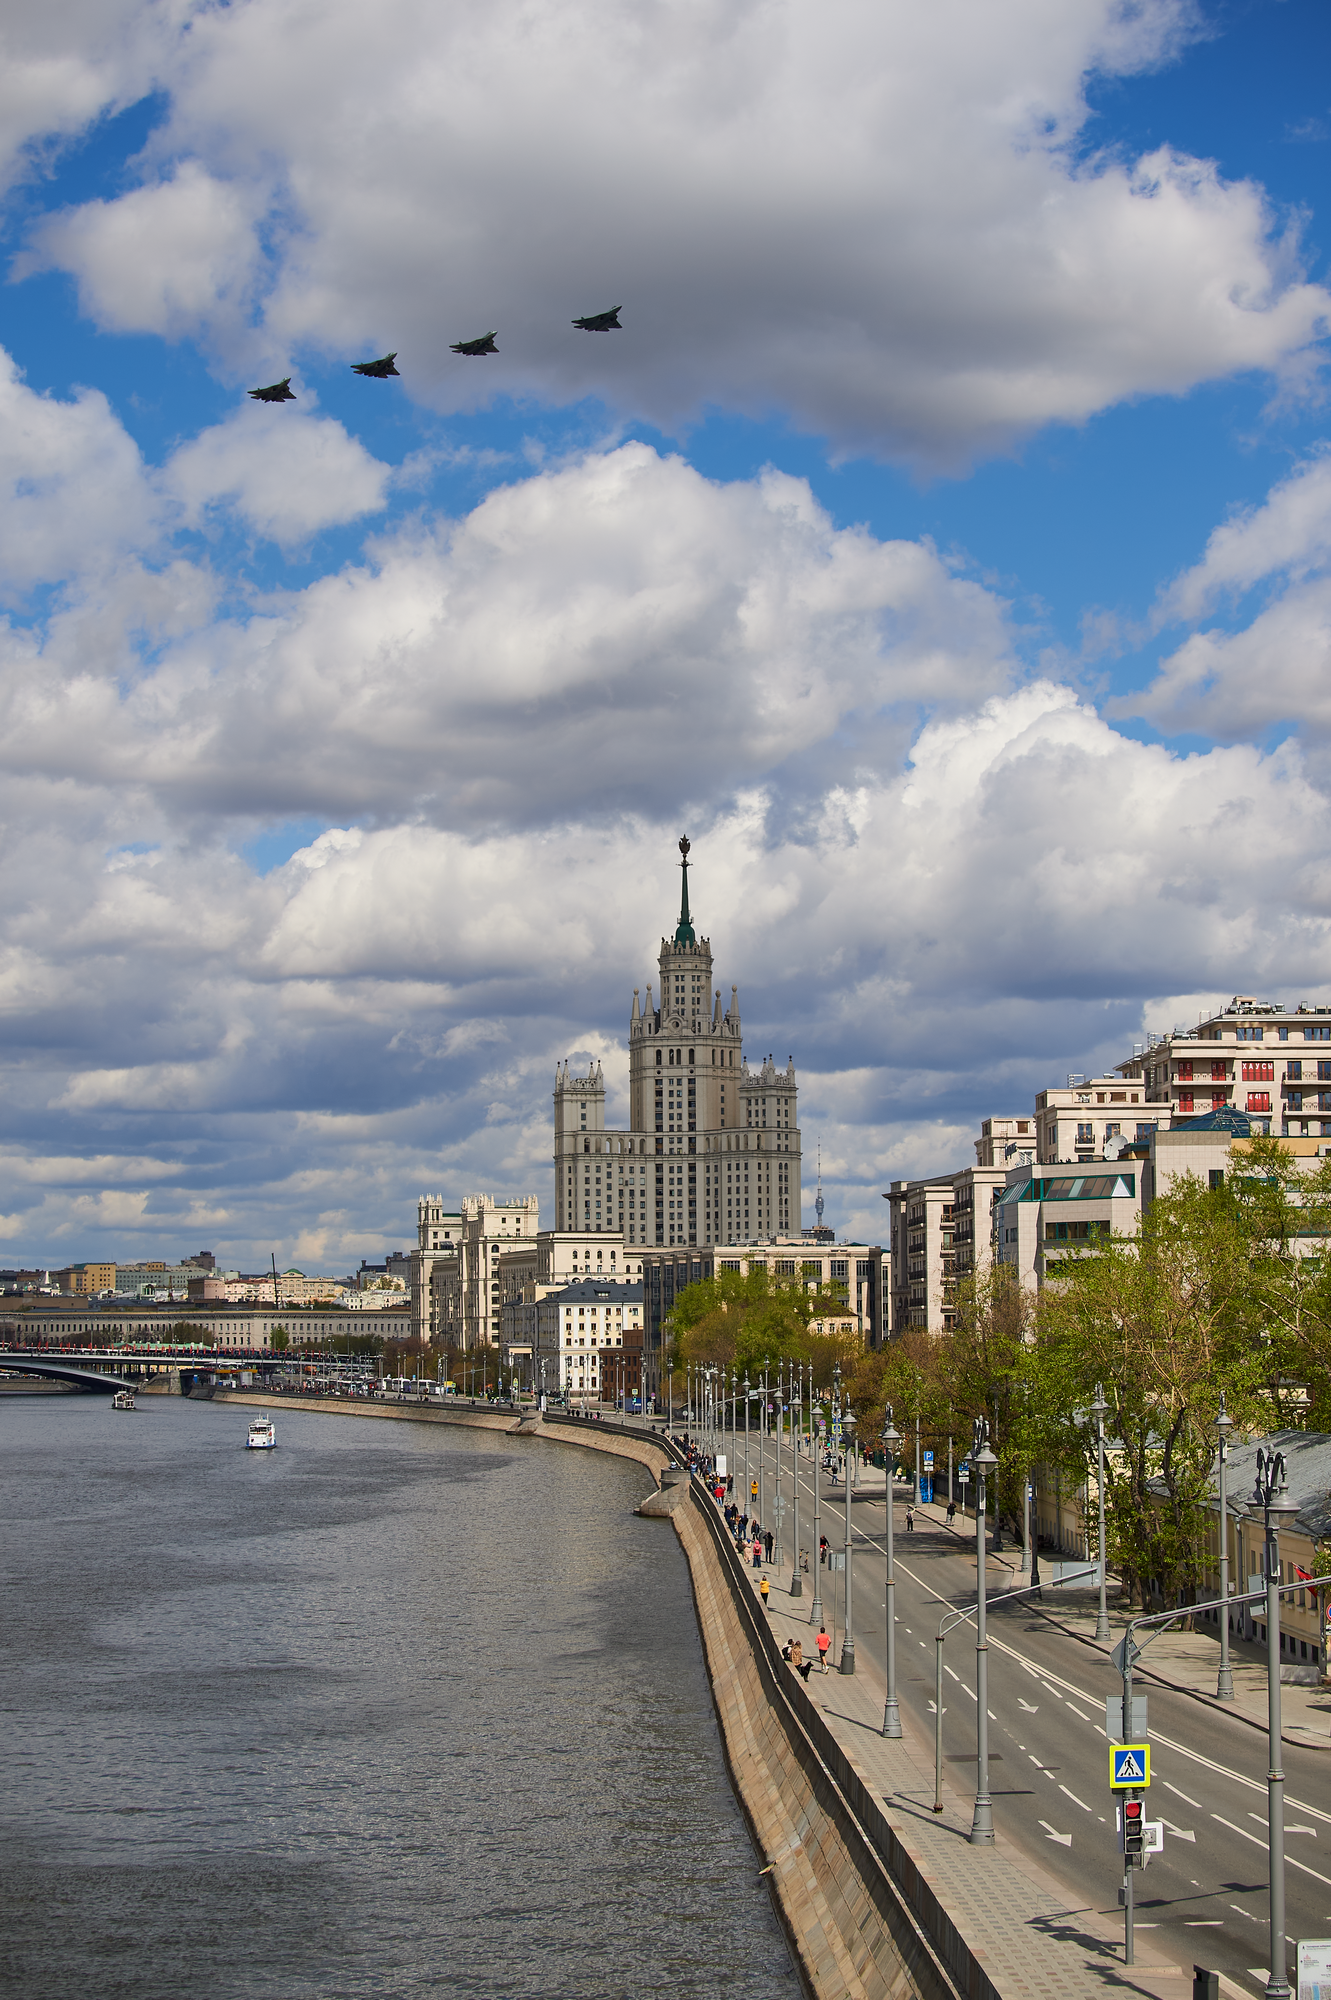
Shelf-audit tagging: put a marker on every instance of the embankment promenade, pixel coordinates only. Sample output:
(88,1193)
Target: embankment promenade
(880,1898)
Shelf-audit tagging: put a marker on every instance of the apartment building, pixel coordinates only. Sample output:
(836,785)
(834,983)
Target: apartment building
(1093,1118)
(581,1339)
(1259,1057)
(939,1235)
(712,1150)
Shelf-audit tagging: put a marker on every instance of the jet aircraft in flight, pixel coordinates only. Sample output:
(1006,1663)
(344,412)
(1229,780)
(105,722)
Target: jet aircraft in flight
(484,345)
(276,392)
(379,369)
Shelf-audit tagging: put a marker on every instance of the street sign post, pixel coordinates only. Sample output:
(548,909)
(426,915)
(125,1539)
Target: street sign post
(1114,1730)
(1129,1766)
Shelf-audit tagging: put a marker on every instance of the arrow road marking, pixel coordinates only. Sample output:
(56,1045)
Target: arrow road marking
(1261,1821)
(1178,1832)
(1031,1708)
(1051,1833)
(1290,1862)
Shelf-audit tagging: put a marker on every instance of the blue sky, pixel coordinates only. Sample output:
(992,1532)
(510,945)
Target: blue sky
(944,540)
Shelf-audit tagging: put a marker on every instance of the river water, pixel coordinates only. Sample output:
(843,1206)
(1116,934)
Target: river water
(393,1709)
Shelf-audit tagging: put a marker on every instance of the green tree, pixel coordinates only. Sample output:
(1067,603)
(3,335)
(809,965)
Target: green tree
(1164,1322)
(278,1340)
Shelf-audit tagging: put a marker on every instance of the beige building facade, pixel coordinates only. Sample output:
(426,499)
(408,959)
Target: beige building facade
(712,1151)
(1271,1062)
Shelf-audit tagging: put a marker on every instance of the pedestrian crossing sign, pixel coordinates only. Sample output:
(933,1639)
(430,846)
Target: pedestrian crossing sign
(1129,1766)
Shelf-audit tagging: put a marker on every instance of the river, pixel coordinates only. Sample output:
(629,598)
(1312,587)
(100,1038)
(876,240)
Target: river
(393,1709)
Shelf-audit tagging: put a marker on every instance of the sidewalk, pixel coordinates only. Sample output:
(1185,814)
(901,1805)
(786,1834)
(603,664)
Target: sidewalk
(1017,1920)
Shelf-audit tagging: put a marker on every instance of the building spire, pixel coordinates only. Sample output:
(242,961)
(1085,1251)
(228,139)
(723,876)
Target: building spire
(684,929)
(818,1204)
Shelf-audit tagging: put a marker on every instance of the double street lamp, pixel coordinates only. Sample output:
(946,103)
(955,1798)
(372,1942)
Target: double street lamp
(1271,1495)
(1224,1424)
(848,1643)
(1099,1410)
(983,1462)
(890,1438)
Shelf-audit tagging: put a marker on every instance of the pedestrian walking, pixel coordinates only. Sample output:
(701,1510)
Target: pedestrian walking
(823,1644)
(767,1544)
(910,1520)
(951,1512)
(757,1553)
(764,1591)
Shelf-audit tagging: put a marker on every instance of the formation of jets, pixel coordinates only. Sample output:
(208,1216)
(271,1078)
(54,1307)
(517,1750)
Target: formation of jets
(282,392)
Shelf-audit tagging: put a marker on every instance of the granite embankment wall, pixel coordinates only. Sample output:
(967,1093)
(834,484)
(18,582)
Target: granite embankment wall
(859,1930)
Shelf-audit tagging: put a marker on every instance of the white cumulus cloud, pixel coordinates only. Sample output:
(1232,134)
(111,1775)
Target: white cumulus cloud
(285,483)
(884,219)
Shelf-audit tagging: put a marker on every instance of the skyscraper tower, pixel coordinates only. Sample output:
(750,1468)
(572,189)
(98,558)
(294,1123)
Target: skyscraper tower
(712,1152)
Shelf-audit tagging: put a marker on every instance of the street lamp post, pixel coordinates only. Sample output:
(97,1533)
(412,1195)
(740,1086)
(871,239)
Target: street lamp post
(746,1508)
(796,1406)
(890,1438)
(1098,1410)
(848,1643)
(816,1611)
(982,1822)
(1224,1686)
(1271,1495)
(762,1457)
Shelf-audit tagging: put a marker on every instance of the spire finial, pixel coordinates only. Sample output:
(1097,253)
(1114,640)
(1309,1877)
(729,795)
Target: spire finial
(684,929)
(818,1205)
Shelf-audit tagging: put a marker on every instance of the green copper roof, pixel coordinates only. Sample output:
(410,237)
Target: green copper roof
(684,929)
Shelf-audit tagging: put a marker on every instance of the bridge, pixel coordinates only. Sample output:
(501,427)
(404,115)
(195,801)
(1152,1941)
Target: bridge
(101,1381)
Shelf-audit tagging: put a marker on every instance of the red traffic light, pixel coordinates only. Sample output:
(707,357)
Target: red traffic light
(1132,1810)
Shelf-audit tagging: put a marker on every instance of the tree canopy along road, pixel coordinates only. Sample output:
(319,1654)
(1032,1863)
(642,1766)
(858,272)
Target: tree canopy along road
(1204,1899)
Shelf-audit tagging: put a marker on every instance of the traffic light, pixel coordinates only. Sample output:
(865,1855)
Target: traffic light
(1134,1832)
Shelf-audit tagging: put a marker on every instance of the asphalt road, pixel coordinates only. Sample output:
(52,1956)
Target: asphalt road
(1204,1899)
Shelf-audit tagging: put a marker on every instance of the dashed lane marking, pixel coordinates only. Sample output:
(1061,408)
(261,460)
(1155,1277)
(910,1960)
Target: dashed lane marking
(1075,1800)
(1290,1862)
(1194,1803)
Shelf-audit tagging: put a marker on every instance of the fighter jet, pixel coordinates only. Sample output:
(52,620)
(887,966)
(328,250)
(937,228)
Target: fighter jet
(485,345)
(276,392)
(379,369)
(607,322)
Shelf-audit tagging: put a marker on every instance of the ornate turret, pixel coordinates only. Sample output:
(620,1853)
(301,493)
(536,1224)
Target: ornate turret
(684,929)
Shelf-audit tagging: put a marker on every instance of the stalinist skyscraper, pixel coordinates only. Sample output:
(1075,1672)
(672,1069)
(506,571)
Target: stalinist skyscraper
(712,1154)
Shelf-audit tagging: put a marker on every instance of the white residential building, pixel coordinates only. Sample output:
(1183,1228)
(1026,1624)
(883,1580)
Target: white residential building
(1271,1062)
(1076,1124)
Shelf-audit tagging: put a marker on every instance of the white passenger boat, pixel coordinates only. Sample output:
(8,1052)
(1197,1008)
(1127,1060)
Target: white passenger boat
(262,1436)
(123,1399)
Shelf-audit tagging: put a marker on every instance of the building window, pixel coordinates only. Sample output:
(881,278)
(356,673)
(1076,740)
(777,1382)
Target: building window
(1259,1100)
(1317,1034)
(1249,1034)
(1294,1072)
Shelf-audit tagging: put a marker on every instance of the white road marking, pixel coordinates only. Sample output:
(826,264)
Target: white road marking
(1031,1708)
(947,1670)
(971,1692)
(1035,1760)
(1179,1832)
(1077,1712)
(1181,1795)
(1203,1923)
(1290,1862)
(1051,1833)
(1075,1800)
